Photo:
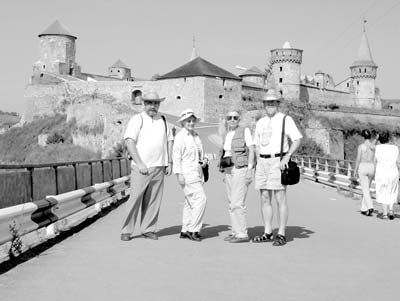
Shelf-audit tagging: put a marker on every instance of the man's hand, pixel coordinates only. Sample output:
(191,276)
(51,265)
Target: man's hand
(143,169)
(284,162)
(168,169)
(181,179)
(204,162)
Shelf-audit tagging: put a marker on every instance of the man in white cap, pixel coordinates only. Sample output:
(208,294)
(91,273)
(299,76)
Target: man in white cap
(149,141)
(267,139)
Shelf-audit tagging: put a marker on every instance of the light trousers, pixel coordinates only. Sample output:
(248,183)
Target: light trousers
(366,172)
(145,195)
(236,189)
(194,207)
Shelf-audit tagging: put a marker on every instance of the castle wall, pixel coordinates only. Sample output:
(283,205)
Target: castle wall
(220,95)
(316,96)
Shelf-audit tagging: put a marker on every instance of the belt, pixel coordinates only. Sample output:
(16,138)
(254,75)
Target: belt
(272,156)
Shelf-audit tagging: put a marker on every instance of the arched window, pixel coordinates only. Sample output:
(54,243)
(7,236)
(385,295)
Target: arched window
(137,97)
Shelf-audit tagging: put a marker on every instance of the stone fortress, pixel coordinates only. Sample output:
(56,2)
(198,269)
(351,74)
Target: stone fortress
(58,85)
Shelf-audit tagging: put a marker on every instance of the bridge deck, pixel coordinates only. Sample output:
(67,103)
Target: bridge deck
(333,253)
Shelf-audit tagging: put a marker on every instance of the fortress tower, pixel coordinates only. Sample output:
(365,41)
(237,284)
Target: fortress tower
(286,69)
(56,52)
(363,74)
(119,70)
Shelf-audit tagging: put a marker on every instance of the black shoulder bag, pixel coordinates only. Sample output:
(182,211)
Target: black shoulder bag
(291,174)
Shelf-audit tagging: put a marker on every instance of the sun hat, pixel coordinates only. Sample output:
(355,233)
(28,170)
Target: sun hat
(186,114)
(271,96)
(151,96)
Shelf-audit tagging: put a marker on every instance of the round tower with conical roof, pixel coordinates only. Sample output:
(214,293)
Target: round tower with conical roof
(120,70)
(56,51)
(363,74)
(286,69)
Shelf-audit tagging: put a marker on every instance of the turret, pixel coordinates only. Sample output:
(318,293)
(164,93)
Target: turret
(56,51)
(363,74)
(286,69)
(119,70)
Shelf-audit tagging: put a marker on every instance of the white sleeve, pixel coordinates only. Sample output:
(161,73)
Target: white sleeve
(291,129)
(133,128)
(177,154)
(247,137)
(256,138)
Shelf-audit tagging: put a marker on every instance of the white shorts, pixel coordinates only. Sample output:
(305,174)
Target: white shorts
(268,174)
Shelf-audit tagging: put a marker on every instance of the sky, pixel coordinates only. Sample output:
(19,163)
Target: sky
(156,36)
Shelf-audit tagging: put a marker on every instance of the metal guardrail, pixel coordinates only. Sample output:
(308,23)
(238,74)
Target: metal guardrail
(337,173)
(21,183)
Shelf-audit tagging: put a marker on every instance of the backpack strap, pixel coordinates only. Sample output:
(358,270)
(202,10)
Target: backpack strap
(283,135)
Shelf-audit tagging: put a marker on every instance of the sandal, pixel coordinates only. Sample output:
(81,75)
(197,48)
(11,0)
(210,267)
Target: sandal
(263,238)
(280,240)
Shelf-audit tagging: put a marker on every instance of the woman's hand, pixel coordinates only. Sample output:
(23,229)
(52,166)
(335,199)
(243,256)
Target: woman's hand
(181,179)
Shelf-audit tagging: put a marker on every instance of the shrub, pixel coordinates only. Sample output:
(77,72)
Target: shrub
(55,138)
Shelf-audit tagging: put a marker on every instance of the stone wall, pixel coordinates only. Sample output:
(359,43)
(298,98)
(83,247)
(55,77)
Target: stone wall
(316,96)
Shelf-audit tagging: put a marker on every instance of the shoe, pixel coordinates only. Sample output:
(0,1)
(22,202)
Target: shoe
(184,235)
(229,237)
(263,238)
(391,215)
(126,237)
(195,236)
(370,211)
(150,235)
(239,239)
(280,240)
(366,213)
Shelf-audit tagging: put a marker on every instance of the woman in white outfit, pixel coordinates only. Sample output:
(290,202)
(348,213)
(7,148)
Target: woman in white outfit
(365,168)
(387,175)
(188,160)
(237,157)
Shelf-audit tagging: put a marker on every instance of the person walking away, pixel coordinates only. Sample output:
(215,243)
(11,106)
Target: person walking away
(365,168)
(267,140)
(386,175)
(188,158)
(237,158)
(149,141)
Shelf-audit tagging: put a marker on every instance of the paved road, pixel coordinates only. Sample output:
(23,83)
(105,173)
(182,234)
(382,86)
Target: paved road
(333,253)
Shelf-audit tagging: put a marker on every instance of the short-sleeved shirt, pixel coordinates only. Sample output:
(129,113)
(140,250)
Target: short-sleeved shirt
(268,134)
(228,141)
(151,139)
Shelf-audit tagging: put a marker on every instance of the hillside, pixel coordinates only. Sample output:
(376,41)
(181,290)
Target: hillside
(20,144)
(8,119)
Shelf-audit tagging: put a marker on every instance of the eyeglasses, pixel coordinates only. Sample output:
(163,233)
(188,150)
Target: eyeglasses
(232,117)
(190,121)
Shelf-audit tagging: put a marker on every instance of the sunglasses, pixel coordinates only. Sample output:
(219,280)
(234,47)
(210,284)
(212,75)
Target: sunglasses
(232,117)
(190,121)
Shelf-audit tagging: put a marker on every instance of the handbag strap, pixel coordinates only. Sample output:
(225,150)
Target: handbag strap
(283,135)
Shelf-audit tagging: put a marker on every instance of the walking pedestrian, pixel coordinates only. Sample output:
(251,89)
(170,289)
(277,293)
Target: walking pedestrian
(267,139)
(149,141)
(387,174)
(188,158)
(365,168)
(237,162)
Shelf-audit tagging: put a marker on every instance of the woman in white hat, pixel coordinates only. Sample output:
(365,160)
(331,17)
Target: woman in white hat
(188,160)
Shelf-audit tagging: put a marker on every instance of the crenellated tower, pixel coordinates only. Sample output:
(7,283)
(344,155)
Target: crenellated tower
(363,74)
(286,69)
(56,51)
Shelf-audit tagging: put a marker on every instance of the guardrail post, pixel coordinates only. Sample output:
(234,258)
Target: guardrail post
(316,164)
(91,173)
(30,169)
(112,169)
(56,178)
(76,176)
(349,169)
(309,163)
(337,168)
(326,165)
(302,162)
(102,170)
(120,169)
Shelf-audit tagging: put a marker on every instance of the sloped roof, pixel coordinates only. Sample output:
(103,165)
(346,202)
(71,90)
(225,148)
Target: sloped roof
(253,71)
(119,64)
(56,29)
(364,57)
(199,67)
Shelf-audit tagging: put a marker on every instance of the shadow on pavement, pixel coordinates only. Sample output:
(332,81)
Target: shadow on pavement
(169,231)
(292,232)
(209,232)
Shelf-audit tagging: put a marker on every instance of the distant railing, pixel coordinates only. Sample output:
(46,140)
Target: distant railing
(22,183)
(332,172)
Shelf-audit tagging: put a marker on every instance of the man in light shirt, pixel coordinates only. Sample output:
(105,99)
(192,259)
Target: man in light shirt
(267,138)
(149,141)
